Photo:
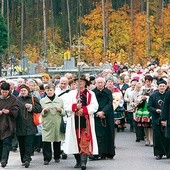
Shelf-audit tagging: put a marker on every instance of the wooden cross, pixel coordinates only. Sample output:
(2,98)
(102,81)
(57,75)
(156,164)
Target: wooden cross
(79,46)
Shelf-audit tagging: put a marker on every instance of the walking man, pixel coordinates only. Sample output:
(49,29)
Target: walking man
(80,137)
(104,121)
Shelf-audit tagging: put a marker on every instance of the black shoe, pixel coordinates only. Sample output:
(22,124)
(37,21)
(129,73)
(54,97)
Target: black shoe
(64,155)
(137,140)
(131,129)
(109,156)
(14,149)
(94,157)
(57,160)
(78,165)
(83,167)
(103,157)
(83,162)
(27,164)
(3,164)
(158,157)
(167,156)
(38,150)
(122,130)
(46,162)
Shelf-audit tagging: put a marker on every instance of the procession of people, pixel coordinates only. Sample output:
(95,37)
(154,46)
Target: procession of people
(92,109)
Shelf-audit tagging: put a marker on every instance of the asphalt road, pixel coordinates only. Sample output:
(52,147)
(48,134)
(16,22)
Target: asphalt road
(130,155)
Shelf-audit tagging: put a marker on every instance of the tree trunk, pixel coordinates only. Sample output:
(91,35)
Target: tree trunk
(22,29)
(1,64)
(132,30)
(104,29)
(52,23)
(38,26)
(149,33)
(13,18)
(63,11)
(8,27)
(2,8)
(107,24)
(45,31)
(69,27)
(159,11)
(142,5)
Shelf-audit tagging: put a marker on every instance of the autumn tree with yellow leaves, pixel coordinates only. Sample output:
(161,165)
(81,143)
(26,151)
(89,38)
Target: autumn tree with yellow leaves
(125,35)
(120,36)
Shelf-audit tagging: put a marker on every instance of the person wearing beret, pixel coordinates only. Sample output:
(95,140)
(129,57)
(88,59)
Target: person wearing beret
(8,114)
(155,105)
(25,128)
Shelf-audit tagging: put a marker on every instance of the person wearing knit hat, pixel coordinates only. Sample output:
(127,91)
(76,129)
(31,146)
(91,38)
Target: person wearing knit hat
(26,87)
(5,86)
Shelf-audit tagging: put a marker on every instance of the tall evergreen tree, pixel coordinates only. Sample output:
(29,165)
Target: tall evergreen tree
(3,40)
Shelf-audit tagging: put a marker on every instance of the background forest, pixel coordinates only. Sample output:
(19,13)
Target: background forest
(132,31)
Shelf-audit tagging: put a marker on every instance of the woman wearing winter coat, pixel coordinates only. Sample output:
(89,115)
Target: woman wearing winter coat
(25,128)
(52,114)
(8,114)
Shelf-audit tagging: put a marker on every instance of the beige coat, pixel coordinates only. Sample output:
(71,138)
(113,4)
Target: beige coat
(51,120)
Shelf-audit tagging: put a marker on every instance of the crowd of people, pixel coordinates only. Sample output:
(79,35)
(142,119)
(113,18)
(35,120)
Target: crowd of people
(94,108)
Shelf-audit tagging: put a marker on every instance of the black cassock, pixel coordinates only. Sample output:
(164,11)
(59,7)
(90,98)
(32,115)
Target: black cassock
(105,127)
(160,142)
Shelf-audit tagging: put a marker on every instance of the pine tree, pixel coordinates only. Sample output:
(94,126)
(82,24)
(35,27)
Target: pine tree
(3,40)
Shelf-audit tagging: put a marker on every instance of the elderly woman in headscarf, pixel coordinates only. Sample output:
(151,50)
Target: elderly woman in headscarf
(118,101)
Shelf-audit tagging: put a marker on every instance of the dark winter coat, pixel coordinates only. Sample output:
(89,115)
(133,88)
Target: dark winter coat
(156,101)
(161,144)
(105,127)
(8,121)
(166,113)
(25,125)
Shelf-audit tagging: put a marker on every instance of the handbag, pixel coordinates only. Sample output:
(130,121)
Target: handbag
(37,117)
(62,126)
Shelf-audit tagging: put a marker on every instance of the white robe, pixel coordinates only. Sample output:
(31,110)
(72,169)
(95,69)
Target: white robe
(71,145)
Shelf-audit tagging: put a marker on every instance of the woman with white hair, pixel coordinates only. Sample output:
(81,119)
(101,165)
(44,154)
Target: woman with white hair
(20,81)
